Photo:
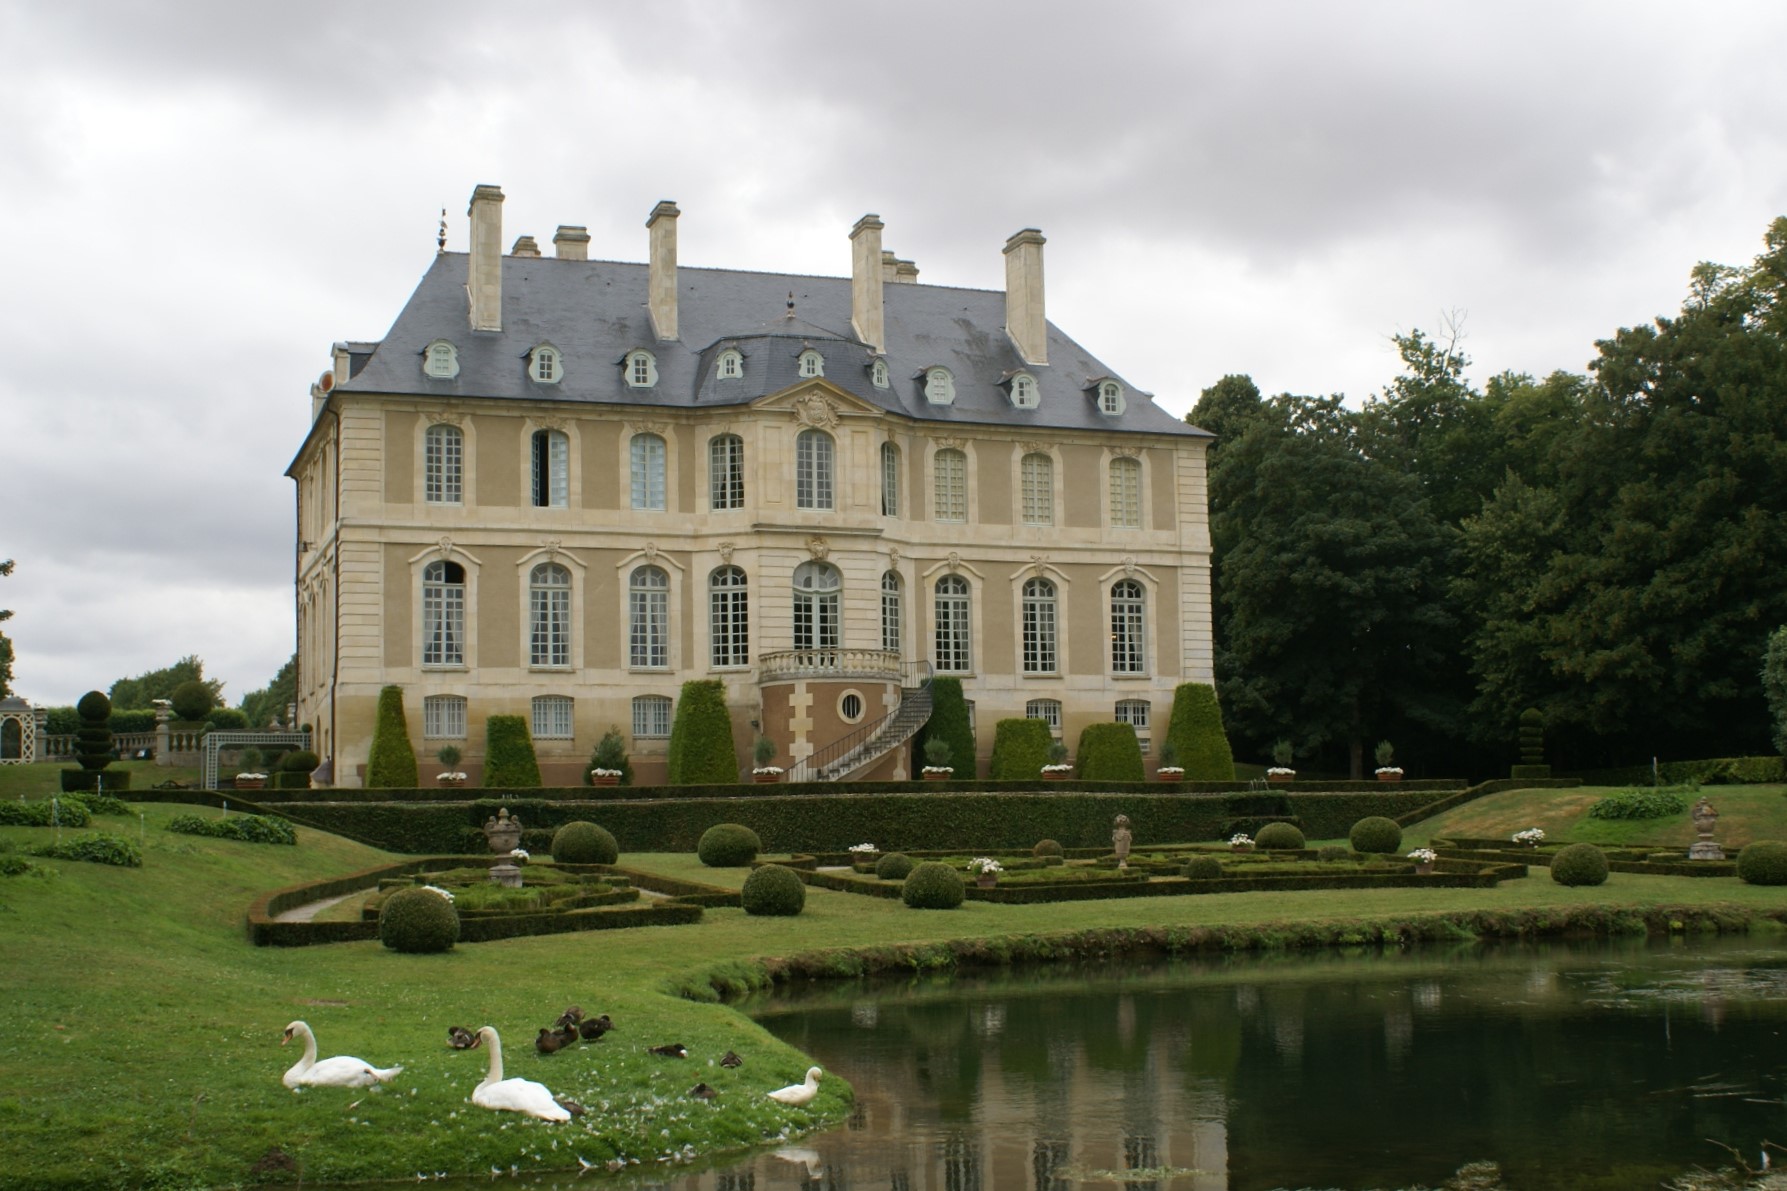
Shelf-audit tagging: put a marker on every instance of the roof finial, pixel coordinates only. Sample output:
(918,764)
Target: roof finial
(440,240)
(790,303)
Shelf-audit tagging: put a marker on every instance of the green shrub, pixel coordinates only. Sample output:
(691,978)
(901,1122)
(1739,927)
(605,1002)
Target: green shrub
(250,829)
(1579,864)
(610,753)
(1763,863)
(418,921)
(1020,750)
(895,866)
(299,761)
(773,891)
(1279,836)
(192,699)
(1200,745)
(700,750)
(93,739)
(102,804)
(1774,686)
(583,842)
(728,845)
(949,723)
(1109,753)
(1527,773)
(1203,868)
(18,866)
(392,764)
(1375,834)
(1047,847)
(1334,852)
(509,760)
(229,719)
(132,719)
(45,812)
(1657,803)
(1532,737)
(933,885)
(97,848)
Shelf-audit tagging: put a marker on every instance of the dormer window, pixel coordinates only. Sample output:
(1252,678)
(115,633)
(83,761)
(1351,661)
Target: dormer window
(812,363)
(440,359)
(878,374)
(1110,397)
(642,370)
(731,365)
(1023,391)
(940,386)
(545,365)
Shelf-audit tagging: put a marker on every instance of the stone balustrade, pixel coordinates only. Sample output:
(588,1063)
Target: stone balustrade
(785,664)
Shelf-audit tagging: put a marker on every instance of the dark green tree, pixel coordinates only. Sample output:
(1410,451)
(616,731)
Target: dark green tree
(191,700)
(145,688)
(509,758)
(5,641)
(1226,408)
(1774,687)
(700,750)
(949,723)
(268,705)
(392,763)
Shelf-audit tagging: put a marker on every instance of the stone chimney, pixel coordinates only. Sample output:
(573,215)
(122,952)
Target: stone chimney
(867,313)
(571,243)
(484,273)
(1024,319)
(898,272)
(525,246)
(661,283)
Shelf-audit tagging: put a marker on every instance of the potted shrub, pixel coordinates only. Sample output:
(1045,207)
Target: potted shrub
(448,755)
(1280,769)
(1059,766)
(1423,858)
(608,764)
(1170,770)
(1240,842)
(937,767)
(986,871)
(763,752)
(864,857)
(252,775)
(1387,769)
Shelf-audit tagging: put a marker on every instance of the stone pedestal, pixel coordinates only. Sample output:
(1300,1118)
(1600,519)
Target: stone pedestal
(506,874)
(1705,820)
(164,753)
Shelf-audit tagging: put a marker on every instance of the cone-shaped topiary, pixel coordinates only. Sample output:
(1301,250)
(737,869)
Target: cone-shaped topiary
(1375,834)
(728,845)
(1203,868)
(1108,753)
(1197,736)
(509,761)
(1020,750)
(1280,837)
(93,739)
(933,885)
(773,891)
(949,723)
(392,765)
(1763,863)
(582,842)
(895,866)
(1579,864)
(700,751)
(418,921)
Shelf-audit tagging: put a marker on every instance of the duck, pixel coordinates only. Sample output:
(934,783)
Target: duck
(593,1029)
(570,1017)
(512,1095)
(460,1038)
(731,1059)
(341,1071)
(552,1041)
(799,1094)
(673,1050)
(703,1091)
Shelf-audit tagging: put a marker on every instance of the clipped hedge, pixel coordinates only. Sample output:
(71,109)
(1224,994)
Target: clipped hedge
(895,866)
(700,749)
(509,760)
(583,842)
(1763,863)
(77,781)
(392,761)
(1020,749)
(728,845)
(933,885)
(1280,837)
(949,722)
(1375,834)
(97,848)
(1203,868)
(1579,864)
(773,891)
(1196,733)
(1708,771)
(43,812)
(249,829)
(1657,803)
(418,922)
(1109,753)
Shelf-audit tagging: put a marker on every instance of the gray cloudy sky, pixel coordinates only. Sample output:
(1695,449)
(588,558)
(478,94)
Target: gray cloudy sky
(201,196)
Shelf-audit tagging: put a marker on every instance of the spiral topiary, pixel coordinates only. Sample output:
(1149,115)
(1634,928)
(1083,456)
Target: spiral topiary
(581,842)
(418,921)
(1763,863)
(933,885)
(1375,834)
(1579,864)
(728,845)
(1203,868)
(773,891)
(1280,836)
(93,739)
(894,866)
(1047,847)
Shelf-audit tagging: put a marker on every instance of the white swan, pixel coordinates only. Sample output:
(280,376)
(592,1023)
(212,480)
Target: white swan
(512,1095)
(342,1071)
(798,1094)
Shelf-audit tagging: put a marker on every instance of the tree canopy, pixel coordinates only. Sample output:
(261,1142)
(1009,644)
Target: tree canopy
(145,688)
(5,642)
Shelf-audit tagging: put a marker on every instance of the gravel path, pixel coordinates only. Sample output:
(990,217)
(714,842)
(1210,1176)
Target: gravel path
(310,910)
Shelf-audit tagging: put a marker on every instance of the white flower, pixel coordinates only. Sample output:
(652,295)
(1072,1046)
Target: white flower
(451,777)
(1280,769)
(985,864)
(1062,768)
(519,854)
(439,890)
(1530,837)
(1396,769)
(864,848)
(940,769)
(258,777)
(1423,856)
(1240,840)
(1170,769)
(776,769)
(599,772)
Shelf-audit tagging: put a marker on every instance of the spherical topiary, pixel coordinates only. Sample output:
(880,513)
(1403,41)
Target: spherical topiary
(1579,864)
(418,921)
(1047,847)
(1279,836)
(584,843)
(1763,863)
(728,845)
(191,700)
(300,761)
(1203,868)
(773,891)
(1375,834)
(933,885)
(894,866)
(94,707)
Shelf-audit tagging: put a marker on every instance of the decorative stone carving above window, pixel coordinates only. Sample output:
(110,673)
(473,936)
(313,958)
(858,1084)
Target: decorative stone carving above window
(816,410)
(1126,452)
(445,416)
(657,428)
(446,546)
(726,549)
(819,548)
(954,562)
(1129,565)
(951,443)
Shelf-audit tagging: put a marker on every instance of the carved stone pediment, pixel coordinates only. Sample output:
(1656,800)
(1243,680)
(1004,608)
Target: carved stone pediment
(1126,452)
(451,417)
(817,410)
(657,428)
(819,548)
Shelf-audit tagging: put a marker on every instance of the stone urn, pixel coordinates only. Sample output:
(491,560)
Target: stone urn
(504,834)
(1705,820)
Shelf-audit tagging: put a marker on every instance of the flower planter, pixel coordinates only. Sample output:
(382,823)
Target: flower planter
(251,783)
(450,780)
(938,777)
(1280,777)
(1424,870)
(1054,777)
(1170,777)
(766,778)
(604,779)
(987,880)
(1240,847)
(1389,777)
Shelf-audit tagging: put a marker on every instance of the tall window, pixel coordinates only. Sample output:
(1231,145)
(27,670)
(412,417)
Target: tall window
(1134,712)
(443,465)
(1039,627)
(1037,475)
(729,618)
(552,717)
(1126,493)
(648,619)
(816,623)
(648,471)
(443,614)
(1128,645)
(891,617)
(726,471)
(950,500)
(443,717)
(954,652)
(813,470)
(651,716)
(890,480)
(549,616)
(552,469)
(1046,710)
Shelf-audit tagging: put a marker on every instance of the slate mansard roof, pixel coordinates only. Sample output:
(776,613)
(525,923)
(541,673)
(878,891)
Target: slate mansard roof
(594,312)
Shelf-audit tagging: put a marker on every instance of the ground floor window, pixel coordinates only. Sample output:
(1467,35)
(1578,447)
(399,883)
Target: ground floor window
(651,716)
(443,717)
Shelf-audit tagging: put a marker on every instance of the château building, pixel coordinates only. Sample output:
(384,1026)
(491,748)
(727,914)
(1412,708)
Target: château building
(561,487)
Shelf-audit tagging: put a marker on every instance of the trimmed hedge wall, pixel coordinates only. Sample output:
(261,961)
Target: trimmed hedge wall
(509,760)
(1197,736)
(949,722)
(1020,749)
(110,781)
(700,748)
(1109,753)
(392,761)
(1711,771)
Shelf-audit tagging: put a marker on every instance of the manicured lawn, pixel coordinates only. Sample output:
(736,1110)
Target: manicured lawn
(1746,813)
(43,780)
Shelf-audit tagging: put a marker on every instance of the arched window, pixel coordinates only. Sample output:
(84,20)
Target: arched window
(890,480)
(1046,710)
(545,365)
(443,465)
(1110,397)
(552,469)
(648,471)
(816,615)
(954,648)
(813,470)
(729,618)
(812,363)
(648,619)
(731,365)
(891,613)
(1037,480)
(878,374)
(549,616)
(443,614)
(726,471)
(441,360)
(651,716)
(1023,391)
(1039,624)
(949,499)
(940,386)
(641,370)
(1128,617)
(1126,493)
